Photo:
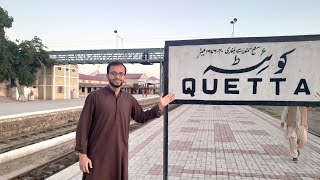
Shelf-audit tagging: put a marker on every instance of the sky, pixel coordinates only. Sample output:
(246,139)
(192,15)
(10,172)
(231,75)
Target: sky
(81,25)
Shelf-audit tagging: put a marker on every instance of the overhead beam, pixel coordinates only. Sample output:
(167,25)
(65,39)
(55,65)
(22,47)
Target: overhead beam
(102,56)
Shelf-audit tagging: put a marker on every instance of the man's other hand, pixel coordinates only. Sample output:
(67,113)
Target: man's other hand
(84,163)
(164,101)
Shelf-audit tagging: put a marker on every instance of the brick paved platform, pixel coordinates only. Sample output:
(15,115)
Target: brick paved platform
(216,142)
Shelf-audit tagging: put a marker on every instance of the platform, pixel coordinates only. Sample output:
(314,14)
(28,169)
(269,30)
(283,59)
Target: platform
(216,142)
(17,109)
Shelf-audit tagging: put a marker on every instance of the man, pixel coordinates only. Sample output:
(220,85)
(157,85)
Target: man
(103,129)
(296,122)
(72,94)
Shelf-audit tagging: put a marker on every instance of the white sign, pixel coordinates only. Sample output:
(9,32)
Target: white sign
(278,70)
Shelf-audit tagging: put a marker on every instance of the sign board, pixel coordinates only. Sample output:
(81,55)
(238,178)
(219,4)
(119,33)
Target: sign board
(282,70)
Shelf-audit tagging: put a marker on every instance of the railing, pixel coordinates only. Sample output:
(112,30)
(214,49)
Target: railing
(143,56)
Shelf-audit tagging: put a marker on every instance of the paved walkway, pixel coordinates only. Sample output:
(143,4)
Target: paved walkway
(216,142)
(16,108)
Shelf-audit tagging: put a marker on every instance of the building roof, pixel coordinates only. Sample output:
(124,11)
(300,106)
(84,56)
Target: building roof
(153,78)
(94,73)
(102,77)
(128,76)
(134,76)
(92,85)
(93,78)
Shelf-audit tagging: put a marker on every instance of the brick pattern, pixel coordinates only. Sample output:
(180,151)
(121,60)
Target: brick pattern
(223,133)
(220,142)
(275,150)
(178,171)
(259,132)
(248,122)
(188,130)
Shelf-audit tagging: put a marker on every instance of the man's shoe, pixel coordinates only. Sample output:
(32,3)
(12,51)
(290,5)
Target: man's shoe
(298,152)
(295,160)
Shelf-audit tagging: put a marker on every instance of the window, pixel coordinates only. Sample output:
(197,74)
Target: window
(67,69)
(60,89)
(59,68)
(73,70)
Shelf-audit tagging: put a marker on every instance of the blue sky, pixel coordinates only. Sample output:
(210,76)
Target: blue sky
(79,24)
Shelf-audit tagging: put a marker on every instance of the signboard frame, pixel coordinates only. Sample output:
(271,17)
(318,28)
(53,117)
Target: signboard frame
(273,39)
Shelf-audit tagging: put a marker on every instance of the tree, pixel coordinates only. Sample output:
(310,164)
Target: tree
(20,61)
(30,56)
(5,21)
(6,46)
(6,57)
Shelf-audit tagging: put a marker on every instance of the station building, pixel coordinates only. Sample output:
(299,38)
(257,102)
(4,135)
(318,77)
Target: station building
(65,82)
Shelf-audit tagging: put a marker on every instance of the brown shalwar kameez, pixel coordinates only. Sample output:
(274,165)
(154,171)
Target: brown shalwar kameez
(103,132)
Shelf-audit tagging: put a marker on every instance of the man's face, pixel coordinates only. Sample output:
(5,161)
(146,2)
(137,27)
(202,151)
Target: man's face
(116,76)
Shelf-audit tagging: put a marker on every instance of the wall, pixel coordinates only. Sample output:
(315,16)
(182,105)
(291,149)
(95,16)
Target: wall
(14,94)
(4,90)
(14,126)
(58,81)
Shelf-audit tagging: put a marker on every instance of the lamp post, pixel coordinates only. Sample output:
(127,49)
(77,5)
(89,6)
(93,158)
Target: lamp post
(233,22)
(116,32)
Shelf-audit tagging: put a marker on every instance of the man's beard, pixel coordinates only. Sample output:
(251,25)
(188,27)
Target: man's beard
(115,85)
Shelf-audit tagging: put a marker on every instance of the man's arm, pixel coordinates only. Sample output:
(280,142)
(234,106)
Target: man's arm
(142,116)
(83,126)
(82,133)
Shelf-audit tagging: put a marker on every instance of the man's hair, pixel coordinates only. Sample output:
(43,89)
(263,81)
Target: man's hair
(116,63)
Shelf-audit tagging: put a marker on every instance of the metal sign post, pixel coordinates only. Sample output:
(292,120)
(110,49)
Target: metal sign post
(166,117)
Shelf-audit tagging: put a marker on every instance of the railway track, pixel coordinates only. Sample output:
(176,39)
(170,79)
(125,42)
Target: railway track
(45,170)
(22,140)
(65,160)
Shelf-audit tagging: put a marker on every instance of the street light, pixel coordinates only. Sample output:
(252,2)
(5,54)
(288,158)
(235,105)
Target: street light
(116,32)
(233,22)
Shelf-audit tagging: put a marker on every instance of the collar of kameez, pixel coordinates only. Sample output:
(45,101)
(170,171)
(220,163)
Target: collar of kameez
(111,91)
